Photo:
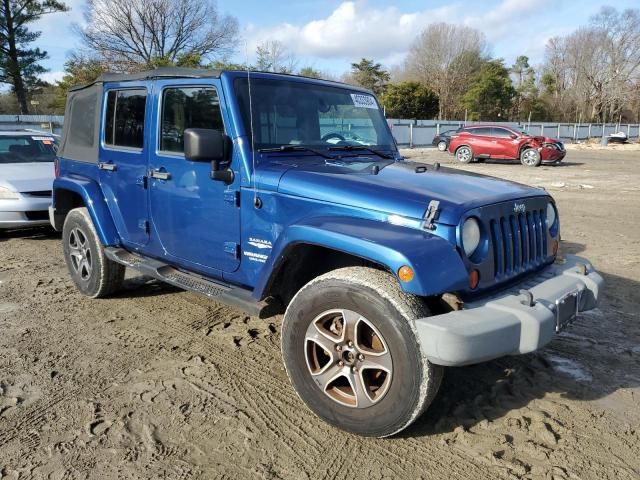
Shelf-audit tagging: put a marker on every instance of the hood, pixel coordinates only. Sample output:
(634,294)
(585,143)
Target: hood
(399,189)
(27,177)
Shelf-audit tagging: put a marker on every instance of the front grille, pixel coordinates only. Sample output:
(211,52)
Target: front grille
(519,243)
(39,193)
(37,215)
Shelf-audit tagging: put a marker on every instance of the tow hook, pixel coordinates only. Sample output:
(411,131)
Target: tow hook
(581,268)
(527,298)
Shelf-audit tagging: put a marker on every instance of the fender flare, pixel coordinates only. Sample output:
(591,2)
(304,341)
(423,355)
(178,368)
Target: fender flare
(438,267)
(90,192)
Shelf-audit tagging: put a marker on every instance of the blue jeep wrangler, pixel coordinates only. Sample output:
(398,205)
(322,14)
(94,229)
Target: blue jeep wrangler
(281,194)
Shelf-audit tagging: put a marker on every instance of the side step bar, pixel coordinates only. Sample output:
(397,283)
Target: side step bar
(230,295)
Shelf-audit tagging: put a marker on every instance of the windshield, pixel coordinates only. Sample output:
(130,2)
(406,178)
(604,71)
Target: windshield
(306,114)
(26,149)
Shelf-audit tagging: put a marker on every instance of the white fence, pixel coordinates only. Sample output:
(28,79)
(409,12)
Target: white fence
(420,133)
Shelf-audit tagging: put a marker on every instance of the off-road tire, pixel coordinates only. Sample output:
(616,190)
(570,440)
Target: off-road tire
(530,157)
(376,296)
(464,154)
(442,146)
(104,276)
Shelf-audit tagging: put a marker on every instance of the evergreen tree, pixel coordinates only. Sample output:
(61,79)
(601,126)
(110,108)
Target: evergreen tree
(490,95)
(370,75)
(525,86)
(410,100)
(19,64)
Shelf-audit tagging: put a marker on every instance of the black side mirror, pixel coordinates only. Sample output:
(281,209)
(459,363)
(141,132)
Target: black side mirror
(513,136)
(209,145)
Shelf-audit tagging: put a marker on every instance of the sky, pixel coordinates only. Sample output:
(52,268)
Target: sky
(329,35)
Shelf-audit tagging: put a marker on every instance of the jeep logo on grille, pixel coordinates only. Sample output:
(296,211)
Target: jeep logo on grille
(519,208)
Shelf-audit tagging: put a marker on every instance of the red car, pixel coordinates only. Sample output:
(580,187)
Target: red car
(479,142)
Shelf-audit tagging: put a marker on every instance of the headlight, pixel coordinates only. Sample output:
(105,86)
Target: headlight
(7,194)
(551,215)
(470,236)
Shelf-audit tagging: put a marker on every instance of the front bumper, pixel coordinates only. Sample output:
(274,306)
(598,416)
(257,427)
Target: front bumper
(552,154)
(504,324)
(24,212)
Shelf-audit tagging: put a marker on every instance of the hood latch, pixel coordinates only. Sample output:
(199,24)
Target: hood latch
(433,210)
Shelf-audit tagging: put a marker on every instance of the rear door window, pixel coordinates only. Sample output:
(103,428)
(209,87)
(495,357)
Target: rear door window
(482,131)
(124,122)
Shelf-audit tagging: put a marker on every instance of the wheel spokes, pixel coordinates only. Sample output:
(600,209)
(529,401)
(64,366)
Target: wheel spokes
(360,390)
(80,253)
(348,359)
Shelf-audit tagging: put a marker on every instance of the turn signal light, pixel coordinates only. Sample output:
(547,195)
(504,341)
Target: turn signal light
(405,273)
(474,279)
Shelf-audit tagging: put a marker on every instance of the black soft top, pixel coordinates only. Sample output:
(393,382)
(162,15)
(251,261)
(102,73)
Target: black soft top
(164,72)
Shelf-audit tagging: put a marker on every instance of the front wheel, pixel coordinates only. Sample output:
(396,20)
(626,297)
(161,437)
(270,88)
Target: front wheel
(464,155)
(352,354)
(442,145)
(93,273)
(530,157)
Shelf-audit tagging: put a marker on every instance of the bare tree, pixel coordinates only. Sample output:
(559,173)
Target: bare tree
(129,34)
(445,57)
(591,71)
(274,56)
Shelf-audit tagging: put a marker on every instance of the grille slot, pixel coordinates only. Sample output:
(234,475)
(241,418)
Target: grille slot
(37,215)
(39,193)
(519,242)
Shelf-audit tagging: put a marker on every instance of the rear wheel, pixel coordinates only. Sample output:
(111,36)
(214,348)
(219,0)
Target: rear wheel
(530,157)
(92,272)
(464,154)
(352,354)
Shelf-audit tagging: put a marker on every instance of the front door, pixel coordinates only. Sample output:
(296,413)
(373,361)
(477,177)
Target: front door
(195,218)
(123,163)
(506,147)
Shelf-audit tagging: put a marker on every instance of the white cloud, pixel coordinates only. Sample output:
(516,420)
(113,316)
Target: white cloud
(355,29)
(52,76)
(510,16)
(352,30)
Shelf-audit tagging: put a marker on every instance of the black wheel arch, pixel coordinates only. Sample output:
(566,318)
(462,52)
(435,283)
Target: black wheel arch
(302,262)
(64,200)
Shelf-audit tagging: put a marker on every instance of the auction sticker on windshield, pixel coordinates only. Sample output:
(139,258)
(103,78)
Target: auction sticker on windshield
(364,101)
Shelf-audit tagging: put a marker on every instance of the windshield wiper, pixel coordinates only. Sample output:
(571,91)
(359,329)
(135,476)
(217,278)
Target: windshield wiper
(361,147)
(295,148)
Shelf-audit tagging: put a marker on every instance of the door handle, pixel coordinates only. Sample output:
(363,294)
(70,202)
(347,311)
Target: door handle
(159,175)
(110,167)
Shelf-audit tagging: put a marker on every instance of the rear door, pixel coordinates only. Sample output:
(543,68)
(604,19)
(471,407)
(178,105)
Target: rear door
(481,142)
(123,161)
(196,219)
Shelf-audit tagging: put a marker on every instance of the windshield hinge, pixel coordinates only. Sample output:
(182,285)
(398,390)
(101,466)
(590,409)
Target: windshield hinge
(433,210)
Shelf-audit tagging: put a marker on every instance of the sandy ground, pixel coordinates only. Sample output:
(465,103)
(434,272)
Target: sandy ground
(162,384)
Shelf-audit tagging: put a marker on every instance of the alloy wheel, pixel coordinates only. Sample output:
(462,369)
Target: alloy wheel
(464,154)
(348,359)
(80,253)
(529,157)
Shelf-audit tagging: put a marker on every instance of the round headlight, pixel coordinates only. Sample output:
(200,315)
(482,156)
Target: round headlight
(551,215)
(470,236)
